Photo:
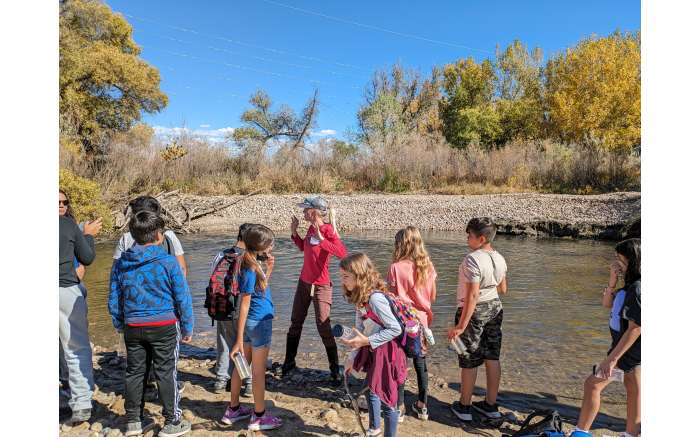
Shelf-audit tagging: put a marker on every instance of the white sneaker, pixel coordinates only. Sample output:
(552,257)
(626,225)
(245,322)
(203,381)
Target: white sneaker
(374,432)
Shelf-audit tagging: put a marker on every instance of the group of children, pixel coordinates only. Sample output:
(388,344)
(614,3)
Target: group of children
(151,305)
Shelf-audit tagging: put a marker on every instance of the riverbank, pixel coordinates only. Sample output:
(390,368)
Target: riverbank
(310,406)
(605,216)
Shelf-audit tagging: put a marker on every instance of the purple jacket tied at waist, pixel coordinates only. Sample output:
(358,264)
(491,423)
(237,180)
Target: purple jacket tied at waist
(386,370)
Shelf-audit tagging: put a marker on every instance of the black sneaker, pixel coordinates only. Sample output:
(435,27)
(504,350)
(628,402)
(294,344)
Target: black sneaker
(488,410)
(463,412)
(175,429)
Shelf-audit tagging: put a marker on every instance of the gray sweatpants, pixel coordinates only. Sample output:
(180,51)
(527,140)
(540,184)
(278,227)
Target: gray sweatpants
(225,337)
(74,339)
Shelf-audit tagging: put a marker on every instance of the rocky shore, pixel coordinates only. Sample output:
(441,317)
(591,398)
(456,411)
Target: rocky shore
(605,216)
(308,404)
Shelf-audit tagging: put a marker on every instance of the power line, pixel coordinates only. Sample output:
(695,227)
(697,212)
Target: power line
(377,28)
(246,44)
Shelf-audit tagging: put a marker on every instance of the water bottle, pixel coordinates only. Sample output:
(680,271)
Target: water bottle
(343,332)
(241,365)
(617,374)
(428,335)
(458,346)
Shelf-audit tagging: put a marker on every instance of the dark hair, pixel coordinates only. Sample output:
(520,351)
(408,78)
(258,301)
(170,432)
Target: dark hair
(144,227)
(256,238)
(145,203)
(69,207)
(632,250)
(482,226)
(242,230)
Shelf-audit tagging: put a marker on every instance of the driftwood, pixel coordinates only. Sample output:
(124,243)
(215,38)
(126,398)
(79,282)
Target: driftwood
(181,211)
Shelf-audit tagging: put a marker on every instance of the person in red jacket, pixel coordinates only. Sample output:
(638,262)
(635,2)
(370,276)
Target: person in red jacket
(319,245)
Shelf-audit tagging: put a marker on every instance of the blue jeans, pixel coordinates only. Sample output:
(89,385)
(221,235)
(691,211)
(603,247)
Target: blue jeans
(391,415)
(258,333)
(74,339)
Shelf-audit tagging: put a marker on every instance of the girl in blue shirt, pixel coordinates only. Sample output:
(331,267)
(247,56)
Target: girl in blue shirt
(254,328)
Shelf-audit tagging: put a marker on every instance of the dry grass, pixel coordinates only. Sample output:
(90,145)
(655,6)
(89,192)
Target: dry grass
(412,164)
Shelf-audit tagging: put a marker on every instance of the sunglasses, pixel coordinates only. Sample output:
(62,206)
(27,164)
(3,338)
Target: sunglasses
(64,202)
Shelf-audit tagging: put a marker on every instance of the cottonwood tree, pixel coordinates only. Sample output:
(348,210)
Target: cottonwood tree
(593,92)
(397,103)
(265,126)
(104,85)
(467,109)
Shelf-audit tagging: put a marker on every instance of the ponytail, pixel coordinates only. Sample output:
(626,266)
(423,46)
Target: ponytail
(250,261)
(331,218)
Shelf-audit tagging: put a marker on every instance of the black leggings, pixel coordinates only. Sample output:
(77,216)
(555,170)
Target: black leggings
(422,375)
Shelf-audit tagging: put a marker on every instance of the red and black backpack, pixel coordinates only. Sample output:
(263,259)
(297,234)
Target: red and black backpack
(222,293)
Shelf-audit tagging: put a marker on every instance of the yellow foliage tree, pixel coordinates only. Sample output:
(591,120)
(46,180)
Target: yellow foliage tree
(86,199)
(593,92)
(103,84)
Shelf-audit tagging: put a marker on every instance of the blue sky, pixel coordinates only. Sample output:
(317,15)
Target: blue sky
(213,55)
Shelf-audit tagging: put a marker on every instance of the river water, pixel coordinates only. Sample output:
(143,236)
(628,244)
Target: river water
(554,326)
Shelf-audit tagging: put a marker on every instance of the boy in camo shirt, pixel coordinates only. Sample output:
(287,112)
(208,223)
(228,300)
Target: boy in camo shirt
(482,276)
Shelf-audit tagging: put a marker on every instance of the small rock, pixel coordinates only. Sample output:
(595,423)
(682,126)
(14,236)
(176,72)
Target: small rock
(97,426)
(188,415)
(94,434)
(66,428)
(443,385)
(329,415)
(81,427)
(114,433)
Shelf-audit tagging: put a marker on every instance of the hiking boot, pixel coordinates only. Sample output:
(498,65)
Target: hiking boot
(290,355)
(488,410)
(175,429)
(247,388)
(80,416)
(266,421)
(421,412)
(332,353)
(230,416)
(138,428)
(221,386)
(463,412)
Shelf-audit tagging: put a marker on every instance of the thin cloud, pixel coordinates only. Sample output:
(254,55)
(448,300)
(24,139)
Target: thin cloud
(324,133)
(213,135)
(205,126)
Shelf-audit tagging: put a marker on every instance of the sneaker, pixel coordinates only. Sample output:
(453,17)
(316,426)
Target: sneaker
(138,428)
(402,415)
(422,413)
(266,421)
(488,410)
(362,403)
(463,412)
(175,429)
(247,388)
(335,376)
(230,416)
(180,387)
(220,386)
(374,432)
(80,416)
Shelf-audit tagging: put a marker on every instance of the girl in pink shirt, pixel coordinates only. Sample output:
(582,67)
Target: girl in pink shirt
(412,279)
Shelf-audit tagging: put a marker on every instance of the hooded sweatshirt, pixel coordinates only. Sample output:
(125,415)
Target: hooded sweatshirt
(147,288)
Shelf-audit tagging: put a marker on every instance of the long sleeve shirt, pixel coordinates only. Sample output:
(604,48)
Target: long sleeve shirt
(390,327)
(72,245)
(317,253)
